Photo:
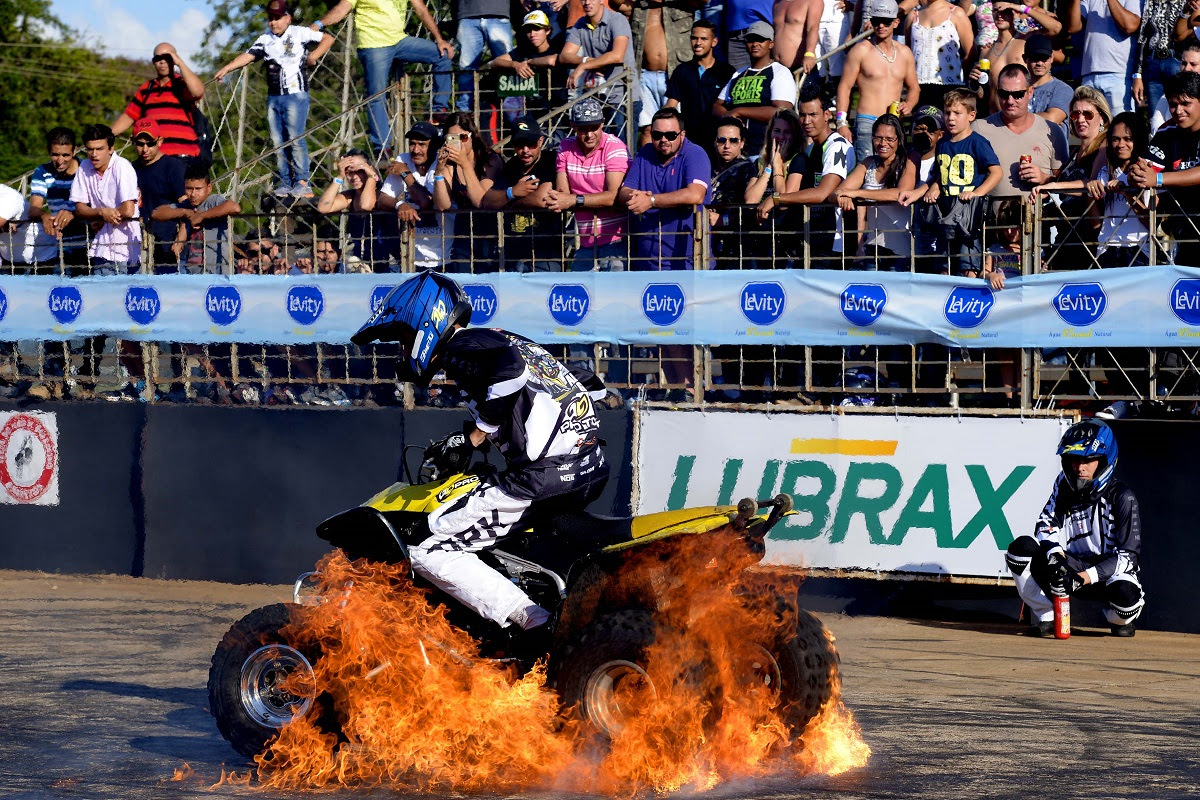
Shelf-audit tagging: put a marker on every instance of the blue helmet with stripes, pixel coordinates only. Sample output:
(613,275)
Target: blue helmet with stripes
(1090,438)
(419,314)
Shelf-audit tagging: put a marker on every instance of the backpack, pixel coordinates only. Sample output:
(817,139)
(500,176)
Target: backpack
(204,136)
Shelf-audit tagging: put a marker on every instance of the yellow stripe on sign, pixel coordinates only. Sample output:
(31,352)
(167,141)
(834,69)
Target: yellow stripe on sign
(844,447)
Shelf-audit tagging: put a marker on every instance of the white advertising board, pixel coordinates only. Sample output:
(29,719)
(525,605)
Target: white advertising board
(29,458)
(941,495)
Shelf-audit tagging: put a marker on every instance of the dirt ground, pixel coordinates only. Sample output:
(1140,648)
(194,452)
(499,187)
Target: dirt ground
(104,697)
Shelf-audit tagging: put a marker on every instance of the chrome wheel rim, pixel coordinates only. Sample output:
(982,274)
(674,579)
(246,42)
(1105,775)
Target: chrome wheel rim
(616,693)
(761,670)
(264,674)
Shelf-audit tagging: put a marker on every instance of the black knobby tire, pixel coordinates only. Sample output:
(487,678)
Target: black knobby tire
(252,657)
(598,661)
(808,668)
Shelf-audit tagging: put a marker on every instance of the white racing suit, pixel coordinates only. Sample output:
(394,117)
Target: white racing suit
(1100,533)
(542,419)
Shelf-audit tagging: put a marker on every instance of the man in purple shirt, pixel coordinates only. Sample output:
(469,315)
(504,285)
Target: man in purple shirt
(667,179)
(105,194)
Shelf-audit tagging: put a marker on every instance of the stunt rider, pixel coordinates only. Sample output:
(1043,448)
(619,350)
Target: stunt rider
(531,406)
(1090,532)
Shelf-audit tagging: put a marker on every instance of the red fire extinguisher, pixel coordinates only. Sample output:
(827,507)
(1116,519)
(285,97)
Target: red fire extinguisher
(1062,617)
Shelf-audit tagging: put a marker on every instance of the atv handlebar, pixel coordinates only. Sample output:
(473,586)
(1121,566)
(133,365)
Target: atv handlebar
(748,507)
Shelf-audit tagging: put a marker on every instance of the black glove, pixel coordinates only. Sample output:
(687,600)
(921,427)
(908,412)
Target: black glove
(449,455)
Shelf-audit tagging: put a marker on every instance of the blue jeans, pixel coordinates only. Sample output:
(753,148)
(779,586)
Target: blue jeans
(1157,71)
(605,258)
(863,148)
(473,33)
(379,64)
(287,116)
(1117,88)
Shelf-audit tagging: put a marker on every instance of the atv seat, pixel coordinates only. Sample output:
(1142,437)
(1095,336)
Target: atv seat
(592,531)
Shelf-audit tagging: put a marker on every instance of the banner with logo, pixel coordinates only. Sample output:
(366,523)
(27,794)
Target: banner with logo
(877,493)
(1136,306)
(29,458)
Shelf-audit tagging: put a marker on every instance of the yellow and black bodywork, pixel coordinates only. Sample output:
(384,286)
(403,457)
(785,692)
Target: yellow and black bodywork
(397,515)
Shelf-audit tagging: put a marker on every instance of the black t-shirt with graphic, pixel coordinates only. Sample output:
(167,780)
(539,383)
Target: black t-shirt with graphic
(531,234)
(758,87)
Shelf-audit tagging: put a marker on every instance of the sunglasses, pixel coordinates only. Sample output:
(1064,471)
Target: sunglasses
(1004,94)
(670,136)
(728,139)
(587,128)
(163,57)
(756,40)
(877,21)
(141,142)
(1086,113)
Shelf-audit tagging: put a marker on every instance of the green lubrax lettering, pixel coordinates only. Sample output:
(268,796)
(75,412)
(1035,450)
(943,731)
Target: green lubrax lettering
(679,488)
(870,507)
(816,505)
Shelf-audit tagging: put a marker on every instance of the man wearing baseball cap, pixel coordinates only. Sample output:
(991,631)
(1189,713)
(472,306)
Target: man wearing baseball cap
(588,172)
(408,190)
(755,93)
(884,71)
(168,99)
(1051,97)
(160,181)
(533,236)
(284,51)
(528,79)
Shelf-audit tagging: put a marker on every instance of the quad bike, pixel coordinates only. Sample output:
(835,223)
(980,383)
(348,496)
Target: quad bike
(568,561)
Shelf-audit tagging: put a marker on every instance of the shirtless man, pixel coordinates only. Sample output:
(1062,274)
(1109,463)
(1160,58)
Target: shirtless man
(798,27)
(1007,49)
(662,36)
(882,68)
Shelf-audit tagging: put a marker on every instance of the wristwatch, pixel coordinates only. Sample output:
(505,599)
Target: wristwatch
(405,176)
(579,201)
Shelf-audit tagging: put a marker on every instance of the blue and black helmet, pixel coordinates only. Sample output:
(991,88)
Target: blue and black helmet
(420,314)
(1090,438)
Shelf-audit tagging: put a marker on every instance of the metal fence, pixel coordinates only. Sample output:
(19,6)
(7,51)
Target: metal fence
(1028,238)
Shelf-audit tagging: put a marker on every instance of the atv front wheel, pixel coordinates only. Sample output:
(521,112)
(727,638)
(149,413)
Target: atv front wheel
(258,681)
(803,670)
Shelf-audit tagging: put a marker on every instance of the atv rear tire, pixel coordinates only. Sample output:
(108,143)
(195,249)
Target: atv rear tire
(603,673)
(248,667)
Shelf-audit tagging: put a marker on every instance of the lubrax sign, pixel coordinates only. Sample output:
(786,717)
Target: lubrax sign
(873,493)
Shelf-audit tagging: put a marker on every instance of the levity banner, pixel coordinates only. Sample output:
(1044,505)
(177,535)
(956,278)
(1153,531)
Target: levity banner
(1137,306)
(879,493)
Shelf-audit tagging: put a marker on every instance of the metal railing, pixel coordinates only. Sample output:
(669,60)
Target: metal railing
(473,241)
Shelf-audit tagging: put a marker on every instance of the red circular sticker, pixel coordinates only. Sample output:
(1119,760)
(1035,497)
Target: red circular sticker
(27,458)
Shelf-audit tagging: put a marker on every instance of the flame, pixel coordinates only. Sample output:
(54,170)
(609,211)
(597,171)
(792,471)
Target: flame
(183,773)
(418,708)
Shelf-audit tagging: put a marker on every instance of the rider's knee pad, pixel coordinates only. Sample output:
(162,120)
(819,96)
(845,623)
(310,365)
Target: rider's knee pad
(1019,554)
(1125,596)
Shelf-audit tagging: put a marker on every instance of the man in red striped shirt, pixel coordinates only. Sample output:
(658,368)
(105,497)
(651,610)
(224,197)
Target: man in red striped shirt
(168,99)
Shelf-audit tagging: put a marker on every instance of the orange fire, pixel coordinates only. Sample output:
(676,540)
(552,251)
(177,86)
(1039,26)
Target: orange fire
(418,708)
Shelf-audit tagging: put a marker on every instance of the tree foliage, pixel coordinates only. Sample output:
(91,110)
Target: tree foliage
(47,78)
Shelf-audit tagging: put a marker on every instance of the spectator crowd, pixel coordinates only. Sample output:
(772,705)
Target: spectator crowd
(873,135)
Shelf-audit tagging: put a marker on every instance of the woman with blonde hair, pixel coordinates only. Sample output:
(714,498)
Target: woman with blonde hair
(1074,238)
(785,139)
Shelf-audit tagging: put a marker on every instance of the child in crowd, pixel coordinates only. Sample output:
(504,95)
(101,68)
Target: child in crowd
(967,169)
(200,242)
(1003,257)
(880,179)
(284,48)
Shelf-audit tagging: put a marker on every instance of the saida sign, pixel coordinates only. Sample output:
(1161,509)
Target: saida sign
(913,494)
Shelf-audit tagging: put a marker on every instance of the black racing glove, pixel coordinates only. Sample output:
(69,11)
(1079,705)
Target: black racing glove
(449,455)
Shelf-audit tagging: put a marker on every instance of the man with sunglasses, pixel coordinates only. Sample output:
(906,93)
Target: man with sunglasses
(1014,132)
(667,180)
(695,85)
(160,183)
(884,71)
(755,93)
(732,173)
(168,99)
